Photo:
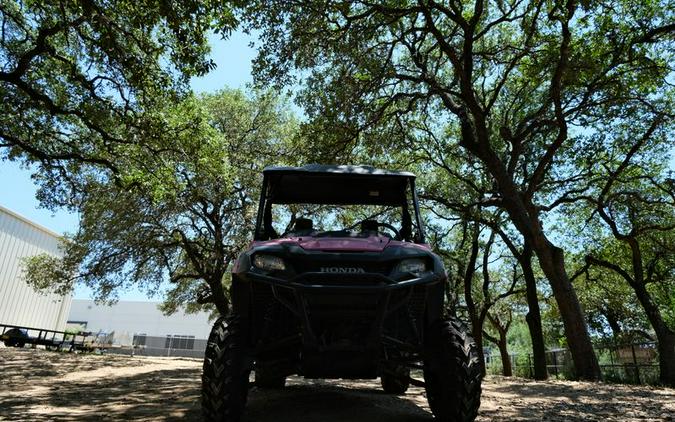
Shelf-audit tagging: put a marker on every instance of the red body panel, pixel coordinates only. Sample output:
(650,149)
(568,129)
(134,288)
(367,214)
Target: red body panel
(342,244)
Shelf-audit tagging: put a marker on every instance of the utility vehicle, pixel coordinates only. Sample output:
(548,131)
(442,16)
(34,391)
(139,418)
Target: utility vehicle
(339,283)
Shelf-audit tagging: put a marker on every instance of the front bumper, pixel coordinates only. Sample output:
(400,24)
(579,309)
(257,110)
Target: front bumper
(373,311)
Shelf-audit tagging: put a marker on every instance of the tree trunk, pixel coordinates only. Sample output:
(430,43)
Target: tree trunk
(666,338)
(478,337)
(533,316)
(638,282)
(552,262)
(664,335)
(613,323)
(525,218)
(218,296)
(507,371)
(476,320)
(501,342)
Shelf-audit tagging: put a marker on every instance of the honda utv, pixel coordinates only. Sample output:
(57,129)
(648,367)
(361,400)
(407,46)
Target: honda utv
(339,283)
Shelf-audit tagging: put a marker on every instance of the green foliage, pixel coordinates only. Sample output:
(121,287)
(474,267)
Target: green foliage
(525,106)
(560,92)
(43,269)
(182,211)
(519,338)
(518,116)
(611,309)
(80,81)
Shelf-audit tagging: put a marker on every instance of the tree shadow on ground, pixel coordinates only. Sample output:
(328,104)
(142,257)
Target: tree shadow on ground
(524,400)
(20,364)
(159,395)
(173,394)
(329,401)
(38,385)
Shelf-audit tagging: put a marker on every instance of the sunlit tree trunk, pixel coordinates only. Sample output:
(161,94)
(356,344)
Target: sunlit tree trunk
(533,317)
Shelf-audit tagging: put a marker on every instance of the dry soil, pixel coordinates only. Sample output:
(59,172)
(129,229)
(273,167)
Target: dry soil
(37,385)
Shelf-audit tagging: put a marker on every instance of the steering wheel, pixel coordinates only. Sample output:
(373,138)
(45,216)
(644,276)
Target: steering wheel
(397,234)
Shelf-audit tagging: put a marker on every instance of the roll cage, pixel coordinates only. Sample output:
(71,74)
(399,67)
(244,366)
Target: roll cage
(338,185)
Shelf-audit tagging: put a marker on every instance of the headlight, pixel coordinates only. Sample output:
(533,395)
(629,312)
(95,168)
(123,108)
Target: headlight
(413,265)
(269,262)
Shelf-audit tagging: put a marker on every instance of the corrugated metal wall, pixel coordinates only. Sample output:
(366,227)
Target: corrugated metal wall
(19,303)
(128,318)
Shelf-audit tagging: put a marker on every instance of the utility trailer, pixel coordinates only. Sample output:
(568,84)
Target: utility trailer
(20,336)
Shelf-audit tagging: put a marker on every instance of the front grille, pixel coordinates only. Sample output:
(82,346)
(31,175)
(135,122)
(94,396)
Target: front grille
(350,267)
(329,279)
(418,301)
(261,295)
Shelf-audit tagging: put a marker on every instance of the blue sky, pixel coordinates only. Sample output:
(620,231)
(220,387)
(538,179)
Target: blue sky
(17,190)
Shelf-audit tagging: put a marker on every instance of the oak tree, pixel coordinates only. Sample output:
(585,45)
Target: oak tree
(514,81)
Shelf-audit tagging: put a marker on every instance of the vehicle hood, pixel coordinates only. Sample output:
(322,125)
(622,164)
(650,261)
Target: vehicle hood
(341,244)
(348,244)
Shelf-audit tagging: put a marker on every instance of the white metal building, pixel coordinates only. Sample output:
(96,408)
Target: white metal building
(129,318)
(19,303)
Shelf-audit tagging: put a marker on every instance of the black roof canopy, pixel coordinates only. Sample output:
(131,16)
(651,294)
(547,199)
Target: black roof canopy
(336,184)
(337,169)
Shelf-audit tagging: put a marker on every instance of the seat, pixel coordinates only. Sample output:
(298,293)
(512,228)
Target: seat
(370,226)
(303,227)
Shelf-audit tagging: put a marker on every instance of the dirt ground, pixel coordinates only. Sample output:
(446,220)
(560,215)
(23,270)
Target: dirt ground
(39,385)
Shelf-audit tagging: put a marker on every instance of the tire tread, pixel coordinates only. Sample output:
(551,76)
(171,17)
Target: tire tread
(224,375)
(452,373)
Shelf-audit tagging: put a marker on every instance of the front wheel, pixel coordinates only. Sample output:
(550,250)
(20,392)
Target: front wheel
(452,373)
(225,373)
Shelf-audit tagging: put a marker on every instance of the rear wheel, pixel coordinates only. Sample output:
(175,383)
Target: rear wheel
(452,373)
(226,371)
(396,381)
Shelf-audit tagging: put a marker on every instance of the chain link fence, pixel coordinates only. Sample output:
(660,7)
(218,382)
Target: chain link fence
(176,345)
(634,363)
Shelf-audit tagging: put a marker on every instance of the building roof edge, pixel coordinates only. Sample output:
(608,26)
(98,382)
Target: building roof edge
(30,222)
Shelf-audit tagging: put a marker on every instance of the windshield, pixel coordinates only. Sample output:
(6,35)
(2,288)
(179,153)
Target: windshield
(336,205)
(293,220)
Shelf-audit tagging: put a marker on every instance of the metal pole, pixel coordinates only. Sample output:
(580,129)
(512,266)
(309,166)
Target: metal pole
(261,208)
(416,205)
